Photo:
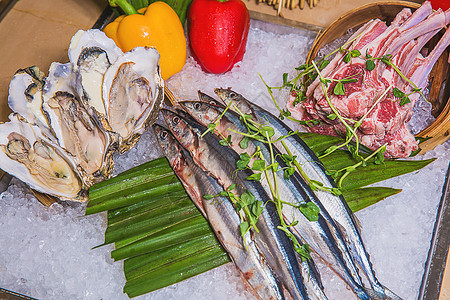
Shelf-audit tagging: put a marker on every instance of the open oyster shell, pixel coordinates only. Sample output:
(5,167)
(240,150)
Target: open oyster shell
(77,131)
(41,163)
(133,90)
(66,126)
(25,97)
(91,53)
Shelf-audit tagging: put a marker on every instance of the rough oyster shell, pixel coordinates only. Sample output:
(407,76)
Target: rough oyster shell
(78,114)
(75,129)
(46,167)
(133,90)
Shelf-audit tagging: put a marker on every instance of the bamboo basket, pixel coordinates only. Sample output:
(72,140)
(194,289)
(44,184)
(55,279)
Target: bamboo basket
(437,132)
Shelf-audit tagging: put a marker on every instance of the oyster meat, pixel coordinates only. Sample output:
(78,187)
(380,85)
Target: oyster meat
(46,167)
(133,90)
(65,127)
(25,97)
(91,53)
(77,131)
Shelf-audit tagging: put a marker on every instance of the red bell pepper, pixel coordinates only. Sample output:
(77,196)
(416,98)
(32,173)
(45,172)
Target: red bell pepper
(444,4)
(218,31)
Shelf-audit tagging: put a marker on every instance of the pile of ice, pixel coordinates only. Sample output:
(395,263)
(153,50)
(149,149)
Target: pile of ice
(47,253)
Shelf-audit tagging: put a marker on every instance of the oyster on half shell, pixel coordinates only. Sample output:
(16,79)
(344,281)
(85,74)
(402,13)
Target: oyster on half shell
(46,167)
(91,53)
(66,126)
(133,90)
(77,131)
(25,97)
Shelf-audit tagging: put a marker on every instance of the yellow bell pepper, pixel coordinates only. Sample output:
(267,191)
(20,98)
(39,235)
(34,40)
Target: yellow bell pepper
(158,27)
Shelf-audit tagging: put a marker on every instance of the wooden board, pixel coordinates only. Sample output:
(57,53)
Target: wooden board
(315,18)
(38,33)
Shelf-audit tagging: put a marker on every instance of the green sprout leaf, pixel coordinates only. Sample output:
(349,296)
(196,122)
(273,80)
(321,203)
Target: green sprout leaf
(244,227)
(310,211)
(332,116)
(244,160)
(323,64)
(254,177)
(304,251)
(301,67)
(257,208)
(347,57)
(259,165)
(370,65)
(244,142)
(247,198)
(285,79)
(288,172)
(231,187)
(355,53)
(405,100)
(339,89)
(267,130)
(398,93)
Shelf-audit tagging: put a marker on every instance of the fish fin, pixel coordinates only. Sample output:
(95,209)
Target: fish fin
(390,294)
(383,295)
(357,223)
(341,228)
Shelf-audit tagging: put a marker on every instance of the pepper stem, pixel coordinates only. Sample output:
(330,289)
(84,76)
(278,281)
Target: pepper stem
(124,5)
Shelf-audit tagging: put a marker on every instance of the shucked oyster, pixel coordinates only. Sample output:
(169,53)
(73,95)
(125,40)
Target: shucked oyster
(133,91)
(91,53)
(27,154)
(77,131)
(77,114)
(25,97)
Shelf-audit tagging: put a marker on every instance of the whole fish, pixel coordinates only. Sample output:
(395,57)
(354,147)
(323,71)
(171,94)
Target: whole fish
(208,99)
(217,160)
(206,113)
(293,190)
(313,168)
(223,218)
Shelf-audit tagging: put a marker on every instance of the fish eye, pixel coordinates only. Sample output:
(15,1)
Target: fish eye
(176,120)
(233,95)
(197,105)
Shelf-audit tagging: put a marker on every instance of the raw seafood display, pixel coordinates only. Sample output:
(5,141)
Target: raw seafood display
(66,126)
(376,81)
(333,236)
(62,138)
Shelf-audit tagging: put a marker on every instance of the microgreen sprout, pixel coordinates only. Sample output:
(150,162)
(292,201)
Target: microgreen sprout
(247,206)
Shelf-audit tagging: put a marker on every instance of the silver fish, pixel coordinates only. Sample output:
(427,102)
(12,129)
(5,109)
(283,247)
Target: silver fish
(206,113)
(335,205)
(208,99)
(293,190)
(221,161)
(223,219)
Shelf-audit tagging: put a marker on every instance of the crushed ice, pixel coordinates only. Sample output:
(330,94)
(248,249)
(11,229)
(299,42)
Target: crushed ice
(47,253)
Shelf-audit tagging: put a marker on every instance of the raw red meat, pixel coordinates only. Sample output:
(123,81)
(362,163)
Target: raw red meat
(370,99)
